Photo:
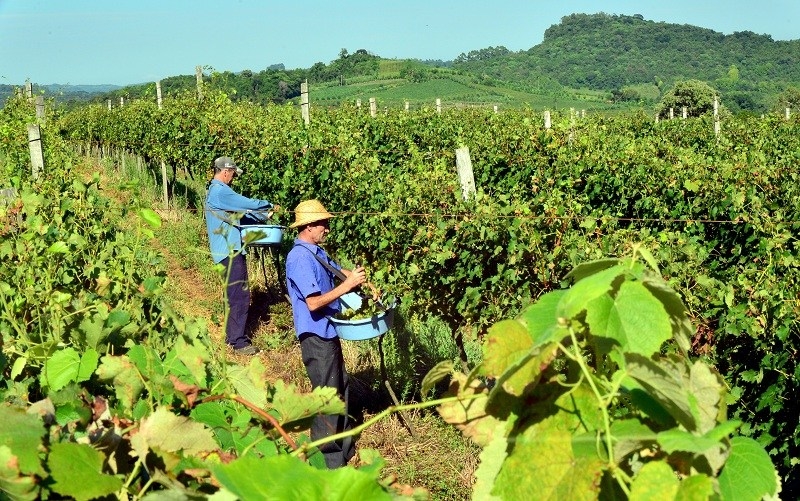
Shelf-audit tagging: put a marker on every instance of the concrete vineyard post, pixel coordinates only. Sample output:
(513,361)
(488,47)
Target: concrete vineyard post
(158,93)
(198,73)
(304,102)
(35,148)
(465,175)
(373,107)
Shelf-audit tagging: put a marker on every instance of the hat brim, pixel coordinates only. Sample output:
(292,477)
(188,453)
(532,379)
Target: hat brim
(311,219)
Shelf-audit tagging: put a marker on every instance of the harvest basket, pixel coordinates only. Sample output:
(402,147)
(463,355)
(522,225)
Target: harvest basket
(360,329)
(267,234)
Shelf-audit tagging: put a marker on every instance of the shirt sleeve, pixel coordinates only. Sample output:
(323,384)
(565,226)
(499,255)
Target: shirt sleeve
(228,200)
(301,272)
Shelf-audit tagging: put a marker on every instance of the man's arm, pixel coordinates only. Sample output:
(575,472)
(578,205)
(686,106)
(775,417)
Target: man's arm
(353,278)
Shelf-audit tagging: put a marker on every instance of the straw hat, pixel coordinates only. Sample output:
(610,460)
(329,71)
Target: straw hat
(309,211)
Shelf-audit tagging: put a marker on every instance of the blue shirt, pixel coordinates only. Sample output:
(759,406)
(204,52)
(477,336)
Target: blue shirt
(306,276)
(222,202)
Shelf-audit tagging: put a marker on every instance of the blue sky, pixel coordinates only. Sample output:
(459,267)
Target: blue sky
(134,41)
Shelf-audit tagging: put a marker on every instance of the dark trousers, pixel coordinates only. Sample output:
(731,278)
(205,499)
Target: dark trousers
(325,366)
(237,294)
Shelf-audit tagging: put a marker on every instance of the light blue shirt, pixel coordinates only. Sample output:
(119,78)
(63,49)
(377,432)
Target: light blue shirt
(222,206)
(306,276)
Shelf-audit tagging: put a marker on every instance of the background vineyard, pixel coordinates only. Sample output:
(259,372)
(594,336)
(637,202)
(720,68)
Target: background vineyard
(719,213)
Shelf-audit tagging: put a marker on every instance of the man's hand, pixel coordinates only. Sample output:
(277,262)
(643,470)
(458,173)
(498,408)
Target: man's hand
(355,278)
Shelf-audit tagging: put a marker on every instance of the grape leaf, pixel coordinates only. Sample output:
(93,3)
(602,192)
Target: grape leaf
(748,473)
(278,479)
(77,472)
(22,433)
(168,432)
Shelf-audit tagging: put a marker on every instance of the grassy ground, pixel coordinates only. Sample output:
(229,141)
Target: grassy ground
(436,457)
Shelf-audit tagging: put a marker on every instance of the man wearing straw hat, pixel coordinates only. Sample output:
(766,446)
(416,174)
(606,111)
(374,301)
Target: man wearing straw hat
(315,298)
(223,210)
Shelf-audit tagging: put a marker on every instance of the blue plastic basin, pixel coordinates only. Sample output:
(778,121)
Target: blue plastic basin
(360,329)
(264,234)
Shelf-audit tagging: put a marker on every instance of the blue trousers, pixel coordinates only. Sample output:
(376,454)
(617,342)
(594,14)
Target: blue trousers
(325,366)
(237,294)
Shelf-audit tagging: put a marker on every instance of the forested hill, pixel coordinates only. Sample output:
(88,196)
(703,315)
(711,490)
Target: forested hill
(608,52)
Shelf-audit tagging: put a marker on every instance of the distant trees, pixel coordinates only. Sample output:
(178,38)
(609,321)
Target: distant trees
(482,55)
(698,98)
(789,98)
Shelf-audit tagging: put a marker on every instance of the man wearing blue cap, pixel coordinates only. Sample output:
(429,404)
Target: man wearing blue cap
(224,209)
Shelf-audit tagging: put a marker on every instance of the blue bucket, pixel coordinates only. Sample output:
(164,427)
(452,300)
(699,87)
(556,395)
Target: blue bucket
(360,329)
(264,234)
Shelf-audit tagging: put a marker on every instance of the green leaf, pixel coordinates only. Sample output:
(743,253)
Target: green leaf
(490,462)
(165,431)
(93,330)
(584,270)
(194,356)
(586,290)
(630,435)
(22,434)
(13,483)
(128,384)
(250,382)
(680,440)
(542,464)
(655,480)
(637,321)
(691,394)
(541,319)
(58,248)
(18,367)
(150,217)
(508,356)
(469,415)
(294,406)
(66,366)
(748,473)
(279,479)
(77,472)
(442,370)
(682,330)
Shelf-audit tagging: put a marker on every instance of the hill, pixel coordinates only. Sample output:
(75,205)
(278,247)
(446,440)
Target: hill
(614,52)
(585,61)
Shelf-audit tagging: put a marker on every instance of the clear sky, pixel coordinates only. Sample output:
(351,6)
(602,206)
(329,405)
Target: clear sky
(135,41)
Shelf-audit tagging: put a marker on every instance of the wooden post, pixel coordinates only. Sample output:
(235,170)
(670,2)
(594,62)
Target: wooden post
(304,102)
(164,184)
(373,107)
(464,168)
(158,93)
(35,147)
(198,72)
(438,106)
(547,122)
